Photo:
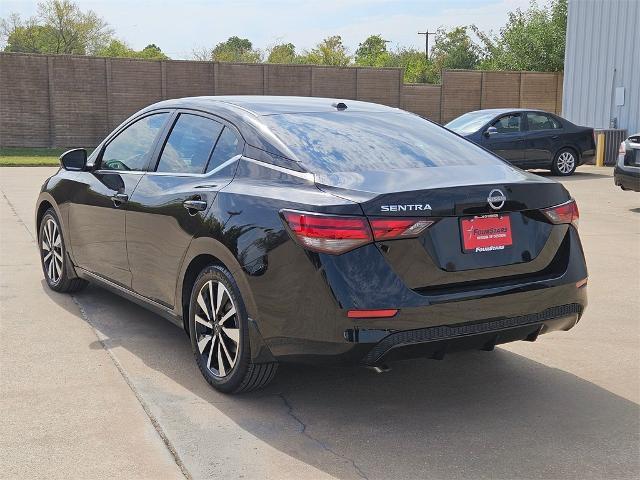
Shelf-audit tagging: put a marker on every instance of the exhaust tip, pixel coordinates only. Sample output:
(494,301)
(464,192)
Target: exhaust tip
(382,368)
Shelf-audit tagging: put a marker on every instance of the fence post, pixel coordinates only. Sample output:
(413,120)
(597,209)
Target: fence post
(163,79)
(52,115)
(107,83)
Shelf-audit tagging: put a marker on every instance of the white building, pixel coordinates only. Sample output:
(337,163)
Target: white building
(602,64)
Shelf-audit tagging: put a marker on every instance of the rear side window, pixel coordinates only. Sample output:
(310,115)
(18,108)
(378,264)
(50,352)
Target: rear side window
(508,124)
(346,141)
(189,145)
(130,150)
(540,121)
(228,146)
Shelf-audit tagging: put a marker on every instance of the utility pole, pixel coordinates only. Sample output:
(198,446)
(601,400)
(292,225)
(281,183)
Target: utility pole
(426,42)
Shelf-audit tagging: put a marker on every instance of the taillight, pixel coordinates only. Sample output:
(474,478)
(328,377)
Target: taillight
(338,234)
(564,213)
(328,233)
(391,228)
(622,150)
(386,313)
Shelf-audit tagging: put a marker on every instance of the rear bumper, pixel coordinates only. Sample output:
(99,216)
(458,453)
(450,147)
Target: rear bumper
(435,342)
(627,177)
(587,157)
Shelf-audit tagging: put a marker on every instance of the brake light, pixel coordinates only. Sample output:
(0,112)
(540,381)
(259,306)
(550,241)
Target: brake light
(564,213)
(337,234)
(387,313)
(390,228)
(328,233)
(622,149)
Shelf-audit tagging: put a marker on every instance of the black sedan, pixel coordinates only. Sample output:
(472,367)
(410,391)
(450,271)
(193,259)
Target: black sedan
(280,229)
(529,138)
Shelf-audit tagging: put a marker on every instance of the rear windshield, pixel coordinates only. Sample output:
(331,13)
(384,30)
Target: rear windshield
(359,141)
(470,122)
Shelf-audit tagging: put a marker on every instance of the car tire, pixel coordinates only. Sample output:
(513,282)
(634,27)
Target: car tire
(53,254)
(564,163)
(219,332)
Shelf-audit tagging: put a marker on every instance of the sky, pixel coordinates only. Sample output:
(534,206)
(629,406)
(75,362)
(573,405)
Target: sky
(179,27)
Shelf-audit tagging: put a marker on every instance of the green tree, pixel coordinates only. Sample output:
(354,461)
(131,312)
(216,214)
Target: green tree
(372,52)
(416,67)
(454,49)
(152,52)
(118,48)
(59,27)
(532,40)
(331,51)
(236,49)
(282,53)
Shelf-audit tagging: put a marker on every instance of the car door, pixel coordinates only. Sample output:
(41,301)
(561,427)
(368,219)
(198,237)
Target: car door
(543,138)
(97,211)
(169,205)
(508,139)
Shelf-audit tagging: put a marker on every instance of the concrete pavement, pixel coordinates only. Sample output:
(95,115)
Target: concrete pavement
(94,386)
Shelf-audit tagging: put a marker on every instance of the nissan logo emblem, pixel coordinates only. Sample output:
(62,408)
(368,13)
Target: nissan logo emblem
(496,199)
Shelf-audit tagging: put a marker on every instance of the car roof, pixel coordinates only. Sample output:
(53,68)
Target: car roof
(500,111)
(272,105)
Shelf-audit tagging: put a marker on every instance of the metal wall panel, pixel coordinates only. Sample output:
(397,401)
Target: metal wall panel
(602,53)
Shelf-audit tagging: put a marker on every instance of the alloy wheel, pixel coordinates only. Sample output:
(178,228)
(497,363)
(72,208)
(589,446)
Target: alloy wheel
(566,162)
(51,245)
(217,328)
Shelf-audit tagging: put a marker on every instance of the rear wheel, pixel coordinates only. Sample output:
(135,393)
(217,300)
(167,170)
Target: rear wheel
(218,327)
(564,163)
(53,256)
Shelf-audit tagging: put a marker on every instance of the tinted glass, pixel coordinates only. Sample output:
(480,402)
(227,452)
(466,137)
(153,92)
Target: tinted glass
(130,150)
(360,141)
(469,122)
(189,145)
(228,146)
(508,124)
(540,121)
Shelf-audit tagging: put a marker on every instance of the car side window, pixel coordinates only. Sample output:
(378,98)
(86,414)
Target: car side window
(189,145)
(540,121)
(227,147)
(508,123)
(130,150)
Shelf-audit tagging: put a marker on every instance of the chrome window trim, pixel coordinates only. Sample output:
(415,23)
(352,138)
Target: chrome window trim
(305,175)
(233,159)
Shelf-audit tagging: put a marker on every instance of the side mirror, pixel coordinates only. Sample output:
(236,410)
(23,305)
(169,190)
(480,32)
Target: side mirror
(75,159)
(490,131)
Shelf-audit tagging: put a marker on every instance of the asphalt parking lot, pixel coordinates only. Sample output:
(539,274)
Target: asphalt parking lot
(94,386)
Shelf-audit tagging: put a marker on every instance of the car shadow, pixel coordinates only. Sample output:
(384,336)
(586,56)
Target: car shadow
(473,415)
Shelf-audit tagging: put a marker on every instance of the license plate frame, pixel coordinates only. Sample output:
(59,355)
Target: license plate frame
(486,233)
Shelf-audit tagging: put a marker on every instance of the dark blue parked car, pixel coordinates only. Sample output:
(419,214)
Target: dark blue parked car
(528,138)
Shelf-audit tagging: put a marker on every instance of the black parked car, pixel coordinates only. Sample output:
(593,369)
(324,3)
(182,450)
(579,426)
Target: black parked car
(282,229)
(626,173)
(529,138)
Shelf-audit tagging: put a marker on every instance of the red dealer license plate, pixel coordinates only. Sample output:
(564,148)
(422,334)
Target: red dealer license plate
(486,233)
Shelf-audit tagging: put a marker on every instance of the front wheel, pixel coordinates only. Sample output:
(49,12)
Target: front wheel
(218,327)
(53,256)
(564,163)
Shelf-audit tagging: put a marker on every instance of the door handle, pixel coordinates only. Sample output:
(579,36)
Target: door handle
(195,205)
(119,198)
(555,137)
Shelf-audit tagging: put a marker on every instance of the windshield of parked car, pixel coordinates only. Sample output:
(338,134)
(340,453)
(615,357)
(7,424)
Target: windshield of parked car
(469,122)
(359,141)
